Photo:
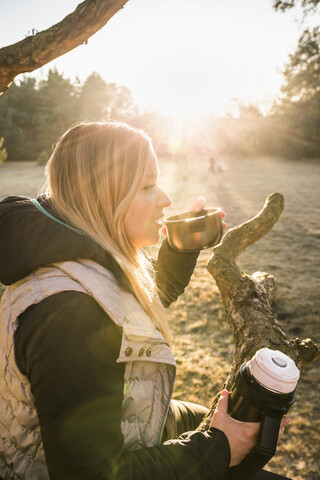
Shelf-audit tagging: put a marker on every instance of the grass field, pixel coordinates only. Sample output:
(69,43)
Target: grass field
(204,346)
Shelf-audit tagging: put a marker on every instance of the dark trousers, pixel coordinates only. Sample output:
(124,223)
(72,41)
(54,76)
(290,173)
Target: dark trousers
(185,417)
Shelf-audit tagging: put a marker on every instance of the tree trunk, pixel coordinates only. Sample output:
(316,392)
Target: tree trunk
(247,299)
(36,50)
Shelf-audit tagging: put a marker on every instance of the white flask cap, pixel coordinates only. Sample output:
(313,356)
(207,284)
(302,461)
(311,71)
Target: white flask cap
(274,370)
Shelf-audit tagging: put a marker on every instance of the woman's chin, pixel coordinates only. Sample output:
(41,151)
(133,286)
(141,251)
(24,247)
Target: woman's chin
(153,239)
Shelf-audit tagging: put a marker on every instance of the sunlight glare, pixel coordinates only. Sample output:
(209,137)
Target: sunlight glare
(198,66)
(183,58)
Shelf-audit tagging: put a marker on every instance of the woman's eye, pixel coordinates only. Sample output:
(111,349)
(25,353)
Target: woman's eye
(149,186)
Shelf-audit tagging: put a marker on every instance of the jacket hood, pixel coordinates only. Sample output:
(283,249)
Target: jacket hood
(29,240)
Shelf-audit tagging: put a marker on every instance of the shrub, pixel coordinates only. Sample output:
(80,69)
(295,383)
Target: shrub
(42,158)
(3,152)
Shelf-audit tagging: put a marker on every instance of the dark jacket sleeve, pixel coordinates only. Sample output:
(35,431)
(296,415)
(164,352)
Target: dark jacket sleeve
(173,272)
(69,356)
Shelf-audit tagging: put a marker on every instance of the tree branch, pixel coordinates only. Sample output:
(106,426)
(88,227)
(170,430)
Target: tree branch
(247,299)
(35,51)
(239,238)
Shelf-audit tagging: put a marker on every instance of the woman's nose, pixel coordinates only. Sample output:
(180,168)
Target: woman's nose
(164,199)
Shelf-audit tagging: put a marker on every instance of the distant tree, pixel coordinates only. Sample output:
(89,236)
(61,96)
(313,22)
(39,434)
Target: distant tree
(302,73)
(249,123)
(42,158)
(99,100)
(34,115)
(307,5)
(19,119)
(3,152)
(238,135)
(58,108)
(297,112)
(122,106)
(94,98)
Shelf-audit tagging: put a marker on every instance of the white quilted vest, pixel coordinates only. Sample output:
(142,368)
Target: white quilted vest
(149,372)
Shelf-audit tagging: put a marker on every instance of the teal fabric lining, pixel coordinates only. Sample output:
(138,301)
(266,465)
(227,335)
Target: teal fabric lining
(42,210)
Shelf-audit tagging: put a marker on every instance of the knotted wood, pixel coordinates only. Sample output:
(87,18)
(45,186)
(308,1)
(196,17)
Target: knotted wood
(247,299)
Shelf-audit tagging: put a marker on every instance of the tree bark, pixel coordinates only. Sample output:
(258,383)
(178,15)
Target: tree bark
(36,50)
(247,299)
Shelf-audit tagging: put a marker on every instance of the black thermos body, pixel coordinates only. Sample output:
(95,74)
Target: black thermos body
(263,391)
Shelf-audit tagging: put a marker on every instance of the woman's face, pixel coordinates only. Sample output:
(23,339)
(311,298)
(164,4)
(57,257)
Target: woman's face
(141,222)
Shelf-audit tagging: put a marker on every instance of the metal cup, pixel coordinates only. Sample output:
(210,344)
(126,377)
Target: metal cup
(192,231)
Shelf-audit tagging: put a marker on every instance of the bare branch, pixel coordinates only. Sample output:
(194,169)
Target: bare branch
(35,51)
(247,299)
(239,238)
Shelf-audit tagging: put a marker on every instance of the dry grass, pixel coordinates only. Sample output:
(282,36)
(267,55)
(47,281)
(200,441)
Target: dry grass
(204,346)
(290,252)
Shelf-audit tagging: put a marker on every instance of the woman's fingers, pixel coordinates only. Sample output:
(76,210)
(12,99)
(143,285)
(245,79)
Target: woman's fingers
(223,215)
(222,405)
(284,422)
(198,204)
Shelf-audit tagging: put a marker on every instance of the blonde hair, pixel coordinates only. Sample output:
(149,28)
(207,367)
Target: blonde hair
(91,178)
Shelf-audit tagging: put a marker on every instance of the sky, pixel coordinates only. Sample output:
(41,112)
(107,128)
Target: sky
(178,57)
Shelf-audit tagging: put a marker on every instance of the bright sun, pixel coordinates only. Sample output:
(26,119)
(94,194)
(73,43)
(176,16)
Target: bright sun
(197,65)
(180,58)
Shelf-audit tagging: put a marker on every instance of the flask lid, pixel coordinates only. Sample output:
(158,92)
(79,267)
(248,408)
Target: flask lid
(274,370)
(279,361)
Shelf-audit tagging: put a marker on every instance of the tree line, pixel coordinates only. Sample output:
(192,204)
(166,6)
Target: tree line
(292,127)
(34,114)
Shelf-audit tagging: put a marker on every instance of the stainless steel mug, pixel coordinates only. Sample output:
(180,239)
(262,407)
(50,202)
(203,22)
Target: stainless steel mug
(191,231)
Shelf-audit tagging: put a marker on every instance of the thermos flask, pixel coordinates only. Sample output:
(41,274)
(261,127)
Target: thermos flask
(263,391)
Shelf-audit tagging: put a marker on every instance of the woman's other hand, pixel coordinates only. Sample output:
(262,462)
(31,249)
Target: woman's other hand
(242,436)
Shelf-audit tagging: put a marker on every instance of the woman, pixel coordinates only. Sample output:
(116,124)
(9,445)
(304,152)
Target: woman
(86,367)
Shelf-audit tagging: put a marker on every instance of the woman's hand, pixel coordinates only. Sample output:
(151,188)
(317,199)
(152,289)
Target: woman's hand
(197,205)
(242,436)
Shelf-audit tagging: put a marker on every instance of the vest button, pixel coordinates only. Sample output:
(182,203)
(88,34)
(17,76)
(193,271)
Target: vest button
(148,352)
(128,352)
(141,352)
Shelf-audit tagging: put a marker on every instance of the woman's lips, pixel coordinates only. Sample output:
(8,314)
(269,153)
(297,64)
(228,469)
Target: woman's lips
(159,222)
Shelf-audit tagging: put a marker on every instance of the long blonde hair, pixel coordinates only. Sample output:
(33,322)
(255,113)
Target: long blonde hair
(91,178)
